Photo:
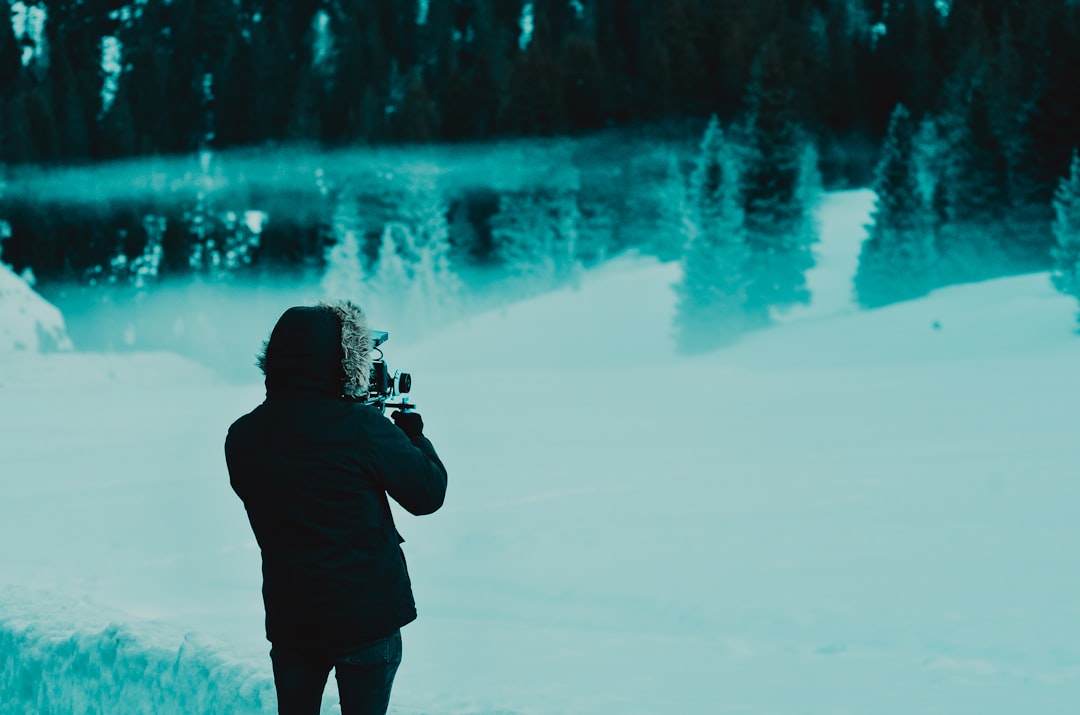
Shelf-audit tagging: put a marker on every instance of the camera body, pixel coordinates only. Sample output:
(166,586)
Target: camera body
(384,386)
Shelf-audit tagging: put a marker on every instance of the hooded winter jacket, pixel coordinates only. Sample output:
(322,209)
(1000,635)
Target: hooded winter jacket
(314,469)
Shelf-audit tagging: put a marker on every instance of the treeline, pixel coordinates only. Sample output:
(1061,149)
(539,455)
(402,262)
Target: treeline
(990,116)
(185,74)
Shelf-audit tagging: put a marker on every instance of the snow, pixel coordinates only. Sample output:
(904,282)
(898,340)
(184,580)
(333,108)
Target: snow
(27,321)
(111,67)
(851,512)
(526,23)
(28,22)
(98,666)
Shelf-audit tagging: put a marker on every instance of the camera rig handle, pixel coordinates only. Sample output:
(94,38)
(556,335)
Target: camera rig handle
(404,405)
(380,403)
(384,386)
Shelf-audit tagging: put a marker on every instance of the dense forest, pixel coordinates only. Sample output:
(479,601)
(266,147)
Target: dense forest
(974,102)
(252,72)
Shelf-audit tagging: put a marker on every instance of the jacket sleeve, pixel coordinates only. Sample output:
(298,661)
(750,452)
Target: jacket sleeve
(408,468)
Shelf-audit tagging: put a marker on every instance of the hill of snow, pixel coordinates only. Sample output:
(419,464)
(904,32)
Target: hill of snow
(28,323)
(851,512)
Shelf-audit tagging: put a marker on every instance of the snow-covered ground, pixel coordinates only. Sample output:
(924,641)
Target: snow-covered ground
(853,512)
(27,322)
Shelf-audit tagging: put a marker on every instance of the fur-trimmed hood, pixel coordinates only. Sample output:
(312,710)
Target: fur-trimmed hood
(324,349)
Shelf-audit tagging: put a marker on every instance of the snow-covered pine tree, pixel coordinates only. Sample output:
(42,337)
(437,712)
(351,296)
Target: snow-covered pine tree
(974,194)
(395,295)
(423,213)
(198,218)
(413,281)
(241,239)
(1066,249)
(536,234)
(567,225)
(712,292)
(203,221)
(779,226)
(520,233)
(147,266)
(596,231)
(597,217)
(345,275)
(897,259)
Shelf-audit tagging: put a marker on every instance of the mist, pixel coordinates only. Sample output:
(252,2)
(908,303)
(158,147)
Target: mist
(221,321)
(295,170)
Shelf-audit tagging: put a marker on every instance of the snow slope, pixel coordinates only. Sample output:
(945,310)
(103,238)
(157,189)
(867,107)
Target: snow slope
(853,512)
(27,321)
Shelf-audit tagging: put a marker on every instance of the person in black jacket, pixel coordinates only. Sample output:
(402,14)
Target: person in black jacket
(314,468)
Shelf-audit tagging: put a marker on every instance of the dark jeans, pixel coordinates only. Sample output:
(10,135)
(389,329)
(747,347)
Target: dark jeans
(364,674)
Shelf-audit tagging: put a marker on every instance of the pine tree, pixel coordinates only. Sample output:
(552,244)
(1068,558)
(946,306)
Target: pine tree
(973,240)
(671,74)
(536,234)
(75,30)
(362,65)
(441,290)
(1066,251)
(345,275)
(202,223)
(519,233)
(41,125)
(779,227)
(272,73)
(494,33)
(147,266)
(234,82)
(391,279)
(11,68)
(897,259)
(14,142)
(146,79)
(440,287)
(1054,126)
(712,291)
(535,101)
(585,87)
(184,70)
(908,56)
(416,120)
(398,292)
(1011,77)
(72,116)
(568,224)
(118,135)
(414,276)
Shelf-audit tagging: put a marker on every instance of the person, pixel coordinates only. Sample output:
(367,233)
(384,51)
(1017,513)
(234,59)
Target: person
(313,466)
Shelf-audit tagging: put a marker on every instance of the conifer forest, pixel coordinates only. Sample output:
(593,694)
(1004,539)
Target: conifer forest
(438,149)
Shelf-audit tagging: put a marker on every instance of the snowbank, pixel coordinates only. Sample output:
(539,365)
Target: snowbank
(48,664)
(28,322)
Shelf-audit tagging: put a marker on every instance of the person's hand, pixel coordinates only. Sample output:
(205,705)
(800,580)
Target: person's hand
(409,422)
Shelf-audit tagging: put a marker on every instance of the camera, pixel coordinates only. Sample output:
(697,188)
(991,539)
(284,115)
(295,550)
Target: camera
(384,386)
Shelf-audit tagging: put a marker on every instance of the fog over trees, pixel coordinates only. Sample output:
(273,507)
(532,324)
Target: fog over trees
(962,114)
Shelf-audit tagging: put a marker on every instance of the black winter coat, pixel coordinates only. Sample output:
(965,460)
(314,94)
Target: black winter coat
(314,471)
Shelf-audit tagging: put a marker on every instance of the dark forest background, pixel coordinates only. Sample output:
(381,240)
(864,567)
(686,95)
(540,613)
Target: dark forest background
(253,72)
